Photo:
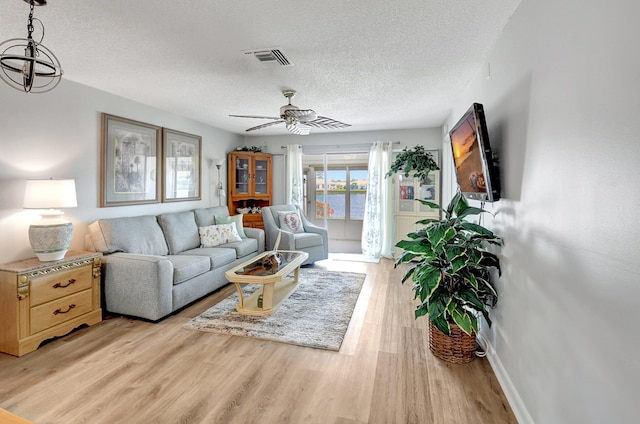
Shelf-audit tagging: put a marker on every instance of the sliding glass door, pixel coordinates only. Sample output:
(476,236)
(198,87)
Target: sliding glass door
(336,191)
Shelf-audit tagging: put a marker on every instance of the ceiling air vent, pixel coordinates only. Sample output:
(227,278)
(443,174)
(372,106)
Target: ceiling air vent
(270,57)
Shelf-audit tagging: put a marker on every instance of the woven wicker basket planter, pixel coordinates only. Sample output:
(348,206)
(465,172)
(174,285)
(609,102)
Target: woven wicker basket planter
(458,348)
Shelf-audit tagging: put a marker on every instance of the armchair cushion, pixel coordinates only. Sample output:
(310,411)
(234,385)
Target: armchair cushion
(306,240)
(290,221)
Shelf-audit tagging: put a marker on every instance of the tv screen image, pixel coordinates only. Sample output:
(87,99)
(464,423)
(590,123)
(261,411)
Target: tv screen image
(475,171)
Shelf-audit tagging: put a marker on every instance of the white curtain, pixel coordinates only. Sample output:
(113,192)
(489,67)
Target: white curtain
(293,176)
(377,227)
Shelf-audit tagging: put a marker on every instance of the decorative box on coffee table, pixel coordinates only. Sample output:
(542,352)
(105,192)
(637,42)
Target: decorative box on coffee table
(42,300)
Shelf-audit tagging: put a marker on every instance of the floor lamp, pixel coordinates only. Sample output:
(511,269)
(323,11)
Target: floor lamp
(221,192)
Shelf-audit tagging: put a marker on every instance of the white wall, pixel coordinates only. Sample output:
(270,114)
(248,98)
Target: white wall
(57,135)
(430,138)
(562,105)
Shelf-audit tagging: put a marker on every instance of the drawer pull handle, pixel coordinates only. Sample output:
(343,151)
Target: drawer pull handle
(61,286)
(60,311)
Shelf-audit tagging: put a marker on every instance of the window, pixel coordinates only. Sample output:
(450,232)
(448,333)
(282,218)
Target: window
(340,193)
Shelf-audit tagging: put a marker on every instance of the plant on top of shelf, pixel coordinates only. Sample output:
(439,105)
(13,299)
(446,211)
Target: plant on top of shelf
(450,267)
(254,149)
(417,161)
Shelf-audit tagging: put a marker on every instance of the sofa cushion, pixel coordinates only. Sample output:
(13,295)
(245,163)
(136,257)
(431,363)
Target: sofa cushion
(180,231)
(244,247)
(218,256)
(206,216)
(186,267)
(305,240)
(237,219)
(290,221)
(137,234)
(215,235)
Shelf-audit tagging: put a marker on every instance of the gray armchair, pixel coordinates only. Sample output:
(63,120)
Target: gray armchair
(314,240)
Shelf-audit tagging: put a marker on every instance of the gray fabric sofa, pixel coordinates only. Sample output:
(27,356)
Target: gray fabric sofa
(154,265)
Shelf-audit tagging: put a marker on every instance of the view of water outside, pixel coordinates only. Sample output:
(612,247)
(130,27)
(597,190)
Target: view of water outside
(337,189)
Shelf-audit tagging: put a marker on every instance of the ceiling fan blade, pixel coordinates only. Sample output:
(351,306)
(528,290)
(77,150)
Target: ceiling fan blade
(327,123)
(302,115)
(254,116)
(298,129)
(268,124)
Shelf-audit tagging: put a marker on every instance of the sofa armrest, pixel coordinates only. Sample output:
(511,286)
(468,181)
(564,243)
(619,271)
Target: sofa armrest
(258,234)
(138,285)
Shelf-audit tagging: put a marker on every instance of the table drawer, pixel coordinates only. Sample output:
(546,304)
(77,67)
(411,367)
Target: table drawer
(60,284)
(60,310)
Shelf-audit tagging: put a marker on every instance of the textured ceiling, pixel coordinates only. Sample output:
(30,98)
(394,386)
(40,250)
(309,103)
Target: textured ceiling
(376,64)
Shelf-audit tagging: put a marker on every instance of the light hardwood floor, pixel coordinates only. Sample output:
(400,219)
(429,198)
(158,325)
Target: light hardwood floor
(130,371)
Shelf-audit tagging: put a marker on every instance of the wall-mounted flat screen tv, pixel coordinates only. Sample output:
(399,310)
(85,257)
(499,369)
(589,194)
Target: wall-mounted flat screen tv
(475,169)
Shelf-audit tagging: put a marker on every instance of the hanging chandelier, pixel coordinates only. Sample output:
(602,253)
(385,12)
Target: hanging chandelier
(26,64)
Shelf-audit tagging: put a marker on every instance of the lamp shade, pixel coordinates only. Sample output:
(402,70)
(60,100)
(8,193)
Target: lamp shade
(50,194)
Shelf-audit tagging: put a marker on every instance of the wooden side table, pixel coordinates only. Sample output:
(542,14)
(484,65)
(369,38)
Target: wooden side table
(42,300)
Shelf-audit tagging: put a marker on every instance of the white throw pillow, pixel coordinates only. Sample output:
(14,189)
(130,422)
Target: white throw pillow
(215,235)
(290,221)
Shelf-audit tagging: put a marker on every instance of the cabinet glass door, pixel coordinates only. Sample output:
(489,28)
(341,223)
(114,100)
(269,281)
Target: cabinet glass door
(406,194)
(261,180)
(428,192)
(242,176)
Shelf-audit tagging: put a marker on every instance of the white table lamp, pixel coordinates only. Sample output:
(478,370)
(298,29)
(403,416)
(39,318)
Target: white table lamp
(51,236)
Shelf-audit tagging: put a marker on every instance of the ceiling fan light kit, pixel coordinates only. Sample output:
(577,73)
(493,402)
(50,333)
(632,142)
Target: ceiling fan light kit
(297,121)
(27,65)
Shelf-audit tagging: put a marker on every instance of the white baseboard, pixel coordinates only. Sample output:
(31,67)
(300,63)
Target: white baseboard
(514,399)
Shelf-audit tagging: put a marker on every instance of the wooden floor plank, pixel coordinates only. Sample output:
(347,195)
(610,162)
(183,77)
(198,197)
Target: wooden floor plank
(128,370)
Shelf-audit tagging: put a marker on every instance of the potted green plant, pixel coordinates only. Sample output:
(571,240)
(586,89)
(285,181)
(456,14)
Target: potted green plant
(450,267)
(417,161)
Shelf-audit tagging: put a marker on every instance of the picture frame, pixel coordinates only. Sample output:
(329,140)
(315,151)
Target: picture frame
(130,156)
(181,166)
(436,155)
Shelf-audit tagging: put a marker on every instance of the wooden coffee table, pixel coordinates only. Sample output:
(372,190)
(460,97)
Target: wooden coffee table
(276,286)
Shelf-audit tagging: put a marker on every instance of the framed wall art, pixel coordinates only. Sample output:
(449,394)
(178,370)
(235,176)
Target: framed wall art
(130,162)
(181,159)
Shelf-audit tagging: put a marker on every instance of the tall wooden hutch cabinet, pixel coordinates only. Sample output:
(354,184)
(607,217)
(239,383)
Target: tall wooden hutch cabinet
(250,181)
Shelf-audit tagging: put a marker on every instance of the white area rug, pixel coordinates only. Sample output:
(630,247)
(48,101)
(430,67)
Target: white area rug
(316,314)
(353,257)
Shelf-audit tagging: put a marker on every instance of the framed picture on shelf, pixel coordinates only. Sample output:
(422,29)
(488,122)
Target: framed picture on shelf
(181,158)
(435,153)
(130,162)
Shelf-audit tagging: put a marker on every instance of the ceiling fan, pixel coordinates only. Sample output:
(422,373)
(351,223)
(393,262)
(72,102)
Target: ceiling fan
(298,121)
